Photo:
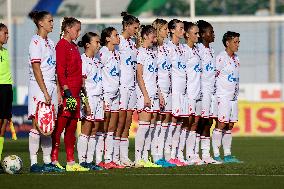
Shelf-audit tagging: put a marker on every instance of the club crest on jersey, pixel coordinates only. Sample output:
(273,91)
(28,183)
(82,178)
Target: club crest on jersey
(50,61)
(96,78)
(197,68)
(181,66)
(209,67)
(151,68)
(113,72)
(231,78)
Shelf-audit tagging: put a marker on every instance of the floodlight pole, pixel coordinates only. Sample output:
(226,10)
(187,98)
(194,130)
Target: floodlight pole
(192,10)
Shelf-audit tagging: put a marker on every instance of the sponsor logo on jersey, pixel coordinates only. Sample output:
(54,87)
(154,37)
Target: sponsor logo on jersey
(181,66)
(166,66)
(50,61)
(96,78)
(231,78)
(209,67)
(113,72)
(151,68)
(197,68)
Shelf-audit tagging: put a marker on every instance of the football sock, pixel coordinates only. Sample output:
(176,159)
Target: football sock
(205,146)
(182,144)
(116,149)
(46,146)
(227,142)
(175,140)
(91,149)
(197,142)
(216,141)
(1,146)
(123,145)
(82,146)
(109,147)
(140,137)
(99,147)
(161,139)
(190,144)
(34,139)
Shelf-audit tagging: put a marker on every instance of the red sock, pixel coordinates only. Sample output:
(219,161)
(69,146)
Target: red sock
(70,139)
(59,127)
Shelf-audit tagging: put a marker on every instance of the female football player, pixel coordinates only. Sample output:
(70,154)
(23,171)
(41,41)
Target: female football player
(69,72)
(42,87)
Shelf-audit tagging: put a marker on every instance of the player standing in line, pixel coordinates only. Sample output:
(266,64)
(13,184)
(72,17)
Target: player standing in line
(128,97)
(178,75)
(69,72)
(42,87)
(227,85)
(6,92)
(164,82)
(92,112)
(110,59)
(147,93)
(207,55)
(193,71)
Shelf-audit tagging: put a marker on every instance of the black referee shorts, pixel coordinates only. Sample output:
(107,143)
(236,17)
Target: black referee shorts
(6,99)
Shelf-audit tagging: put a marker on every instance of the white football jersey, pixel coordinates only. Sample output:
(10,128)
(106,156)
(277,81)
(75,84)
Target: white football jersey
(92,72)
(110,69)
(208,66)
(176,55)
(128,53)
(164,68)
(193,71)
(227,84)
(148,58)
(43,51)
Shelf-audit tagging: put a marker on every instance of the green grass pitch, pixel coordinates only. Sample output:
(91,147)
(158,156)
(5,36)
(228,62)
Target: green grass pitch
(263,167)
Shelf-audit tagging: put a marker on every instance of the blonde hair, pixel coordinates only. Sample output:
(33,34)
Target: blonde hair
(144,30)
(158,24)
(68,22)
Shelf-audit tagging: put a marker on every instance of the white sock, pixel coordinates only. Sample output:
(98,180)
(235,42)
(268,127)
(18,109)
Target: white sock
(205,146)
(181,145)
(154,143)
(175,140)
(227,142)
(216,141)
(161,139)
(169,140)
(34,140)
(124,144)
(91,149)
(46,146)
(82,146)
(109,147)
(190,144)
(197,142)
(140,137)
(100,147)
(148,140)
(116,149)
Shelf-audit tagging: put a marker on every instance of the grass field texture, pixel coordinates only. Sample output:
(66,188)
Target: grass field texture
(263,167)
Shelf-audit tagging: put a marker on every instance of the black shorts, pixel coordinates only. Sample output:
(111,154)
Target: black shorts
(6,99)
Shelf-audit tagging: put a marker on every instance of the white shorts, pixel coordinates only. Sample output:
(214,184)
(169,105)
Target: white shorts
(168,103)
(97,109)
(179,105)
(194,107)
(227,111)
(111,102)
(35,95)
(127,99)
(155,104)
(206,104)
(214,107)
